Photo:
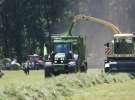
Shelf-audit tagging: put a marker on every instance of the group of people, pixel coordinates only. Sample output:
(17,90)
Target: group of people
(32,62)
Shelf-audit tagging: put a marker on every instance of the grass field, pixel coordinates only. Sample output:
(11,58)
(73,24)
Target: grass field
(18,77)
(117,91)
(94,85)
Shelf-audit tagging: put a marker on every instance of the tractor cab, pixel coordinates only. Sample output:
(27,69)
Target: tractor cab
(123,44)
(62,51)
(122,56)
(62,47)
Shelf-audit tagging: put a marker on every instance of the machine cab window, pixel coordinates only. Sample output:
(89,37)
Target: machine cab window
(123,45)
(62,47)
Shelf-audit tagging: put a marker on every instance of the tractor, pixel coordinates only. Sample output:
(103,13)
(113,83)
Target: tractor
(67,55)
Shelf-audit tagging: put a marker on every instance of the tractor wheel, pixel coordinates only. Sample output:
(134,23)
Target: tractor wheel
(107,70)
(72,69)
(48,71)
(83,67)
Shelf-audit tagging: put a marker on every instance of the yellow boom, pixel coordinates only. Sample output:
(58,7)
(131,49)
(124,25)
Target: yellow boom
(107,24)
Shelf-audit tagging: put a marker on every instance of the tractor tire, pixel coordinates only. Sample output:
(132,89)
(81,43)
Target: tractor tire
(83,67)
(72,70)
(107,70)
(48,71)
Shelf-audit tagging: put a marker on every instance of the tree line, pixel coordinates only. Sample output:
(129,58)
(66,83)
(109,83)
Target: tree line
(25,25)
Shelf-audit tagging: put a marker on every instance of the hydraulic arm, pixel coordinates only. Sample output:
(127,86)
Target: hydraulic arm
(107,24)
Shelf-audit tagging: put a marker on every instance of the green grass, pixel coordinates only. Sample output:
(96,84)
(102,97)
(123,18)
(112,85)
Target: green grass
(117,91)
(18,77)
(15,85)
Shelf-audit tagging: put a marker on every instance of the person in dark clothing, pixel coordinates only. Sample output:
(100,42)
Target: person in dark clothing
(70,55)
(1,73)
(26,68)
(25,71)
(52,56)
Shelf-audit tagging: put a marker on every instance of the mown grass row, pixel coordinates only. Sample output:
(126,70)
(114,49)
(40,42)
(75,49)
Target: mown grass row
(57,88)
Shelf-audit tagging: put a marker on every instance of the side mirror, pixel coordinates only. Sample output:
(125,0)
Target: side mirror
(106,44)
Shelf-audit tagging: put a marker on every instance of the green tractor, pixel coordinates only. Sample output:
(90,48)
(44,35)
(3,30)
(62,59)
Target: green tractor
(120,53)
(67,55)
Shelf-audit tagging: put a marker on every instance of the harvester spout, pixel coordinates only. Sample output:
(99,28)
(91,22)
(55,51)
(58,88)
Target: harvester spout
(107,24)
(70,29)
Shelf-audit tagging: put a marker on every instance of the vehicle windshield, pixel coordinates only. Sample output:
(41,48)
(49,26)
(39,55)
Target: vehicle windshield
(33,58)
(123,45)
(62,47)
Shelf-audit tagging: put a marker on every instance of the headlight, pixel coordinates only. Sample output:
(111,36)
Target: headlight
(48,64)
(107,65)
(59,58)
(72,63)
(61,61)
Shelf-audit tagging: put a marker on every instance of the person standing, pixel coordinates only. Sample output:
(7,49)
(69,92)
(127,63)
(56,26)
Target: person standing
(27,67)
(1,73)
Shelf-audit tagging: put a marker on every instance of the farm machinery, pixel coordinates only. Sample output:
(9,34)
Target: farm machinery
(67,54)
(120,52)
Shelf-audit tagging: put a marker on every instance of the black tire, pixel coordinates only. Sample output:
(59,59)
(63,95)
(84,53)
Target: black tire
(48,71)
(107,70)
(84,67)
(72,69)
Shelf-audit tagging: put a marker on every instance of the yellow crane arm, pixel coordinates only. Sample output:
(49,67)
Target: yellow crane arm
(79,18)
